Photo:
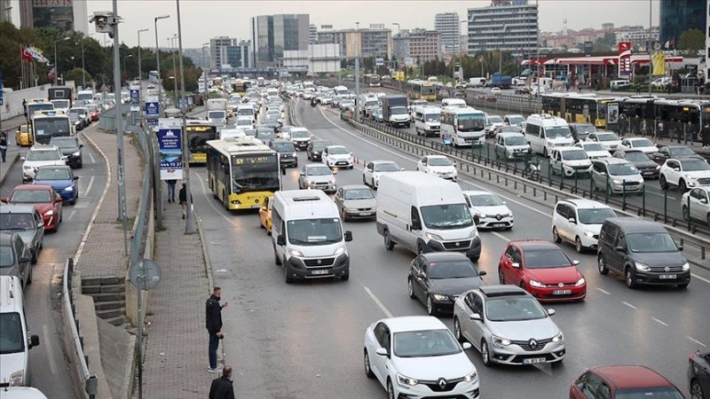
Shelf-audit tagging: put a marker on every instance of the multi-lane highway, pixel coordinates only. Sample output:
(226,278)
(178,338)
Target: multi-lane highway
(51,372)
(305,340)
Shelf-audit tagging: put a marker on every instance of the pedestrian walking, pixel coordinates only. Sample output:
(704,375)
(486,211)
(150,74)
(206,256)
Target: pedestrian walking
(689,134)
(642,127)
(622,124)
(3,146)
(24,108)
(706,135)
(213,318)
(171,189)
(222,387)
(182,196)
(659,129)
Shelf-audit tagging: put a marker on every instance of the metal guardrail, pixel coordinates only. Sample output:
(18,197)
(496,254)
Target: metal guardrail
(90,381)
(143,134)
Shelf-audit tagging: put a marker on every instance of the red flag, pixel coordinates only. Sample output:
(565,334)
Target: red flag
(51,73)
(26,55)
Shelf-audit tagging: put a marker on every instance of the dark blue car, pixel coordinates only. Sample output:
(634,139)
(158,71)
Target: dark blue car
(62,179)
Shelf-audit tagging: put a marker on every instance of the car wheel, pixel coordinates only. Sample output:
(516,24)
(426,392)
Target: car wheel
(35,255)
(608,190)
(410,288)
(578,245)
(390,390)
(364,181)
(696,390)
(457,331)
(682,187)
(485,355)
(29,277)
(501,276)
(544,152)
(389,244)
(372,184)
(420,249)
(342,215)
(686,214)
(287,278)
(277,260)
(683,286)
(556,236)
(662,181)
(430,306)
(630,278)
(708,219)
(368,369)
(601,265)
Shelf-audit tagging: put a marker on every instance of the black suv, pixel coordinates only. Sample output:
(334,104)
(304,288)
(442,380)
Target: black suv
(643,252)
(315,149)
(70,147)
(287,152)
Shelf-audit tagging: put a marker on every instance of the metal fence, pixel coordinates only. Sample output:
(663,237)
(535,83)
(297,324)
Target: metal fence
(144,135)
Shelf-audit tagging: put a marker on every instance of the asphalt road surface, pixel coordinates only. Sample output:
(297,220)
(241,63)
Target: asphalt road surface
(50,369)
(305,340)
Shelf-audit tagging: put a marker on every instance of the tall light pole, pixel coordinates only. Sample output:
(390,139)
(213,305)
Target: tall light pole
(56,67)
(453,64)
(399,36)
(172,50)
(140,67)
(204,68)
(125,71)
(650,45)
(190,227)
(157,62)
(357,73)
(537,44)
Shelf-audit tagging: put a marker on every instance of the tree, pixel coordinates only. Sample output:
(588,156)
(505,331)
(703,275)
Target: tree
(604,44)
(76,75)
(691,41)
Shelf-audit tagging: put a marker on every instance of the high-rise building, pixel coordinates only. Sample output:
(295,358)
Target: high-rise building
(227,51)
(65,15)
(448,25)
(504,25)
(375,41)
(418,45)
(678,16)
(274,34)
(707,46)
(312,34)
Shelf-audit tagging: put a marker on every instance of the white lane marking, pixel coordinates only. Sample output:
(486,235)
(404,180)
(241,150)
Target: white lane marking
(71,214)
(659,322)
(211,202)
(91,156)
(50,352)
(88,187)
(630,305)
(700,278)
(603,291)
(378,303)
(696,341)
(501,236)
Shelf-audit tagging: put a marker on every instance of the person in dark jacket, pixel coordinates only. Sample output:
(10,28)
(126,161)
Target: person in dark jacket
(213,318)
(182,196)
(222,387)
(706,135)
(3,146)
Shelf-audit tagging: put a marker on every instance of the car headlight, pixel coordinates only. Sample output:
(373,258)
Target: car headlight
(617,181)
(589,233)
(499,341)
(642,267)
(471,377)
(580,282)
(76,154)
(295,155)
(434,237)
(439,297)
(559,338)
(658,167)
(70,188)
(49,213)
(686,266)
(339,251)
(296,253)
(537,284)
(406,381)
(309,182)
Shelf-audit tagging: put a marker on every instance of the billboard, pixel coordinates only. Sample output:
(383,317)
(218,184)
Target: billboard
(170,144)
(624,59)
(58,14)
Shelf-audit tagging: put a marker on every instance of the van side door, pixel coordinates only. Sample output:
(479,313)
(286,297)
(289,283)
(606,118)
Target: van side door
(414,229)
(532,135)
(618,253)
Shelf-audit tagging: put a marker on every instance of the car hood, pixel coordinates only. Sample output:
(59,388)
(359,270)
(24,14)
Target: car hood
(27,235)
(629,178)
(658,259)
(454,286)
(320,178)
(525,329)
(611,143)
(340,156)
(434,367)
(37,164)
(561,141)
(377,175)
(360,203)
(645,164)
(56,184)
(598,154)
(12,362)
(555,275)
(492,210)
(698,174)
(647,150)
(517,147)
(581,162)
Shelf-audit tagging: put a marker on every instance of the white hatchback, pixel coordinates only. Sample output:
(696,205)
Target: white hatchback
(40,155)
(338,156)
(639,143)
(579,221)
(438,165)
(488,210)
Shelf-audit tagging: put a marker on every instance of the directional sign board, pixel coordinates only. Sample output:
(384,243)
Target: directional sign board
(135,92)
(152,107)
(170,144)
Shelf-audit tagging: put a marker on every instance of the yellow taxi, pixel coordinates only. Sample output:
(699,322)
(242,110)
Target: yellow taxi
(23,136)
(265,214)
(230,113)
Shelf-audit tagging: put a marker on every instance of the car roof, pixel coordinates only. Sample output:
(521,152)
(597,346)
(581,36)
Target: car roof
(478,192)
(43,147)
(414,323)
(17,208)
(636,138)
(636,225)
(33,187)
(336,145)
(444,256)
(535,244)
(631,377)
(54,167)
(383,161)
(435,156)
(612,160)
(510,134)
(355,187)
(585,203)
(5,237)
(315,165)
(492,291)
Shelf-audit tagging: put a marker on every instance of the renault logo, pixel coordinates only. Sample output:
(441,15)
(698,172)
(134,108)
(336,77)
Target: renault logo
(442,383)
(320,261)
(499,217)
(533,344)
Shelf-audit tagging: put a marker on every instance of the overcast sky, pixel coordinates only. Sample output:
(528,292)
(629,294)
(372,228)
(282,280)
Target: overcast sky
(204,19)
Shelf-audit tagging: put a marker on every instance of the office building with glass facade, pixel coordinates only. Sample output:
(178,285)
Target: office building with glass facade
(678,16)
(274,34)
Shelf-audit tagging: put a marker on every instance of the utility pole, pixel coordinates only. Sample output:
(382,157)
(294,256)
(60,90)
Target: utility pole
(357,75)
(140,67)
(650,45)
(175,76)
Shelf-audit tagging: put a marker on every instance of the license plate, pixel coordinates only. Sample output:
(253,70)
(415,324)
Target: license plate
(342,163)
(365,213)
(498,224)
(561,292)
(320,272)
(534,360)
(668,276)
(647,173)
(467,141)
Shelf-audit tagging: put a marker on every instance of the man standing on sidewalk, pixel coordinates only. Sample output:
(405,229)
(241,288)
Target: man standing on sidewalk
(171,189)
(213,318)
(222,387)
(3,146)
(689,134)
(706,135)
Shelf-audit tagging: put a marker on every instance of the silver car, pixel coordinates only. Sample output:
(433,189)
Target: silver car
(26,221)
(317,176)
(356,201)
(616,176)
(507,325)
(15,259)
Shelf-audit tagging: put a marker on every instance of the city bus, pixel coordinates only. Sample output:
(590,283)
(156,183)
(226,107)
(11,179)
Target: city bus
(465,126)
(241,86)
(372,80)
(38,105)
(217,83)
(153,77)
(572,108)
(199,132)
(242,172)
(421,90)
(48,124)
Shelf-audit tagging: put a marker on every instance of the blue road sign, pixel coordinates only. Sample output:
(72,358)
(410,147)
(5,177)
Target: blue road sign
(135,96)
(152,109)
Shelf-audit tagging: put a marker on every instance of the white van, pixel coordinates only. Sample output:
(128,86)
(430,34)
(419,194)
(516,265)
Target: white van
(477,82)
(14,334)
(341,91)
(546,132)
(21,393)
(272,94)
(427,120)
(424,213)
(227,134)
(453,103)
(308,236)
(246,110)
(244,122)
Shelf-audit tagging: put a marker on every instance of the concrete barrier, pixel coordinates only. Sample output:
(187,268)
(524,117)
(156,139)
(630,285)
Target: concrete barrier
(13,100)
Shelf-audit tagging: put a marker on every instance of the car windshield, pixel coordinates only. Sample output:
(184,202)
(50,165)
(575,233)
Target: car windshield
(16,221)
(53,174)
(454,216)
(558,132)
(358,194)
(338,150)
(508,129)
(314,231)
(320,145)
(300,134)
(651,242)
(43,155)
(649,393)
(515,140)
(681,152)
(514,309)
(398,110)
(318,171)
(440,161)
(386,167)
(586,129)
(641,143)
(64,142)
(636,156)
(574,155)
(593,147)
(485,200)
(495,119)
(595,215)
(372,103)
(622,169)
(545,258)
(12,339)
(78,111)
(284,147)
(216,115)
(265,136)
(451,269)
(607,137)
(425,343)
(516,120)
(60,103)
(30,196)
(694,165)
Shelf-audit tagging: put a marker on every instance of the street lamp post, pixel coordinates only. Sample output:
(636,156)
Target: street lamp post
(56,67)
(453,64)
(172,50)
(357,74)
(125,71)
(156,176)
(204,68)
(157,62)
(140,67)
(399,36)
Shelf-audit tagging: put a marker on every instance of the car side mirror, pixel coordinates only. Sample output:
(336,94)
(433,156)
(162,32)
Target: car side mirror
(5,200)
(280,240)
(515,265)
(34,341)
(283,171)
(482,273)
(676,169)
(602,173)
(466,346)
(621,249)
(58,200)
(416,225)
(348,236)
(421,275)
(64,157)
(703,200)
(476,219)
(40,225)
(572,220)
(401,170)
(75,178)
(25,258)
(382,352)
(551,312)
(476,317)
(680,247)
(335,172)
(575,262)
(23,159)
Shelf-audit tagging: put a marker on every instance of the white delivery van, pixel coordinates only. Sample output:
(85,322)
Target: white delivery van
(424,213)
(14,334)
(21,393)
(477,82)
(546,132)
(246,110)
(453,103)
(427,120)
(308,236)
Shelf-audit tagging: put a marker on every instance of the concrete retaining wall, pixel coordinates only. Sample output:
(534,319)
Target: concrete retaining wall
(13,100)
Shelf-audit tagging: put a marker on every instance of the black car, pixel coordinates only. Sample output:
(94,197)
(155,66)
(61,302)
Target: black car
(315,149)
(673,151)
(699,375)
(70,147)
(648,168)
(77,121)
(287,152)
(438,278)
(580,131)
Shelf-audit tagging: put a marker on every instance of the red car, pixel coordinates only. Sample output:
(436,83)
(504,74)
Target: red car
(94,113)
(614,382)
(542,269)
(44,198)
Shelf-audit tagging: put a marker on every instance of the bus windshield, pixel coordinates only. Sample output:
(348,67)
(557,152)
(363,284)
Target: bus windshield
(47,127)
(255,172)
(558,132)
(428,90)
(471,122)
(198,135)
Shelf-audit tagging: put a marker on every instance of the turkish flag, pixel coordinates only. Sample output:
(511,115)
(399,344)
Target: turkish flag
(26,55)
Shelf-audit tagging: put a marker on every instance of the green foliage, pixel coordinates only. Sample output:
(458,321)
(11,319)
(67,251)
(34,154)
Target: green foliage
(691,41)
(604,44)
(76,75)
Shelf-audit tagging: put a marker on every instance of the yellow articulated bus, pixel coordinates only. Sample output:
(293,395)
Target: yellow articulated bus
(199,132)
(581,108)
(242,172)
(421,90)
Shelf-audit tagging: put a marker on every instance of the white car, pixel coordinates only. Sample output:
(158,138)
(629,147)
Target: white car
(685,173)
(698,201)
(419,357)
(375,169)
(488,210)
(570,161)
(492,123)
(40,155)
(639,143)
(244,122)
(495,90)
(579,221)
(438,165)
(593,150)
(337,156)
(608,139)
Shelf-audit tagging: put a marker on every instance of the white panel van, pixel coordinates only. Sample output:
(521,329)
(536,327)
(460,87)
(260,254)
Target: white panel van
(546,132)
(453,103)
(14,334)
(427,121)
